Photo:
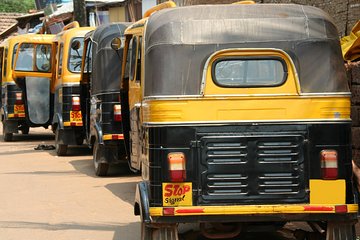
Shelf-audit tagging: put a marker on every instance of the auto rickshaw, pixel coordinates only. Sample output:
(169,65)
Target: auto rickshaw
(26,98)
(100,95)
(239,118)
(67,120)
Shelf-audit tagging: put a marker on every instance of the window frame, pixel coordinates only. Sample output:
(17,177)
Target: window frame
(81,40)
(133,55)
(49,59)
(60,60)
(242,58)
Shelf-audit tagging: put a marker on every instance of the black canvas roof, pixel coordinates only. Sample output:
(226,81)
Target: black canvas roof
(178,41)
(106,62)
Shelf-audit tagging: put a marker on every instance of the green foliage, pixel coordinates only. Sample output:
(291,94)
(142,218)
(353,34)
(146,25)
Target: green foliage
(21,6)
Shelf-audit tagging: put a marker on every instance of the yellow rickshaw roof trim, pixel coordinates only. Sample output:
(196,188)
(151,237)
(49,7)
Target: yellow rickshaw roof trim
(164,5)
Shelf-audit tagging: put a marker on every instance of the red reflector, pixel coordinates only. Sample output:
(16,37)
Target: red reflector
(177,171)
(169,211)
(177,175)
(117,113)
(329,164)
(73,124)
(76,103)
(117,118)
(341,209)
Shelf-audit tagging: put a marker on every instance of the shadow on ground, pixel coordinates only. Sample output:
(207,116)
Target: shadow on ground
(74,151)
(87,167)
(120,231)
(34,137)
(125,191)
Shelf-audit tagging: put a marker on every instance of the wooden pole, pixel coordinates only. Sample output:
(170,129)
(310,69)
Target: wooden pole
(80,12)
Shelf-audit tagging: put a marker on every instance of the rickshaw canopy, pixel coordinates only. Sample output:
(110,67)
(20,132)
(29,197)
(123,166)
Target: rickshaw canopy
(179,41)
(106,62)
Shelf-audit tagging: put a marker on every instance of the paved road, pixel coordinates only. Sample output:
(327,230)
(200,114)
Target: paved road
(44,197)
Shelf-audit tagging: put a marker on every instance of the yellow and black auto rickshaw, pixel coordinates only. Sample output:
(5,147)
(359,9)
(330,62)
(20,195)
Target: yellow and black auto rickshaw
(67,120)
(239,117)
(26,98)
(100,95)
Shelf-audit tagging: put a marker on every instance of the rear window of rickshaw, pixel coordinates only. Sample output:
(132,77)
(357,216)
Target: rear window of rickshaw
(249,72)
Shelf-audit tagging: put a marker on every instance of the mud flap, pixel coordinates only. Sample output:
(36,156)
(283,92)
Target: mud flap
(38,99)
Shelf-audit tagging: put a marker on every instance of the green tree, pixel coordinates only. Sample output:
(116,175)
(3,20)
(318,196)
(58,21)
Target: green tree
(22,6)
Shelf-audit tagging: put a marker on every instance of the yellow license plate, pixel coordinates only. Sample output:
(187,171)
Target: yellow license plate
(75,116)
(177,194)
(19,109)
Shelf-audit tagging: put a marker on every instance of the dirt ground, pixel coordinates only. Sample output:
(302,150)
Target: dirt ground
(48,197)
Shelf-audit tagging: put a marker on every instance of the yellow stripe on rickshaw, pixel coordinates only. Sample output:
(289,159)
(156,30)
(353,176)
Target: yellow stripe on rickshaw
(17,115)
(73,124)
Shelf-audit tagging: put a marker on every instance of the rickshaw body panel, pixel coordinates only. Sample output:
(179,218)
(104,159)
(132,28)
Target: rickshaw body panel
(100,90)
(66,87)
(252,152)
(20,115)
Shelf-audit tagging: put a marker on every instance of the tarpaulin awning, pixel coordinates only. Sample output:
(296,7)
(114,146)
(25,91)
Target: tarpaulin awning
(350,45)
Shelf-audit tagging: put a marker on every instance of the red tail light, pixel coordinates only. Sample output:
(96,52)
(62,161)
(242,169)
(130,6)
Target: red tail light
(177,163)
(329,164)
(19,98)
(117,113)
(76,103)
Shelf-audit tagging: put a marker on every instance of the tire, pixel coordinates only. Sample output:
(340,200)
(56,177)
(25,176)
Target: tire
(168,232)
(101,168)
(79,138)
(60,149)
(7,137)
(25,130)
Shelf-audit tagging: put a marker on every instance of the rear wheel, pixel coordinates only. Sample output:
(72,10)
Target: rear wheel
(60,149)
(168,232)
(79,138)
(24,129)
(7,137)
(101,168)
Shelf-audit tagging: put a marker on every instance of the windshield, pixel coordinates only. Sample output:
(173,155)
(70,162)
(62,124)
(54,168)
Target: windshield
(75,54)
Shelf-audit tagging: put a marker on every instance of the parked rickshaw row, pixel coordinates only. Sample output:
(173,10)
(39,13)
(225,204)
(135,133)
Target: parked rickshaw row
(237,116)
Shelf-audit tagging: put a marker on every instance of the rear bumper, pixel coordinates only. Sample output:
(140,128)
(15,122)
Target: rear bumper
(254,213)
(254,209)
